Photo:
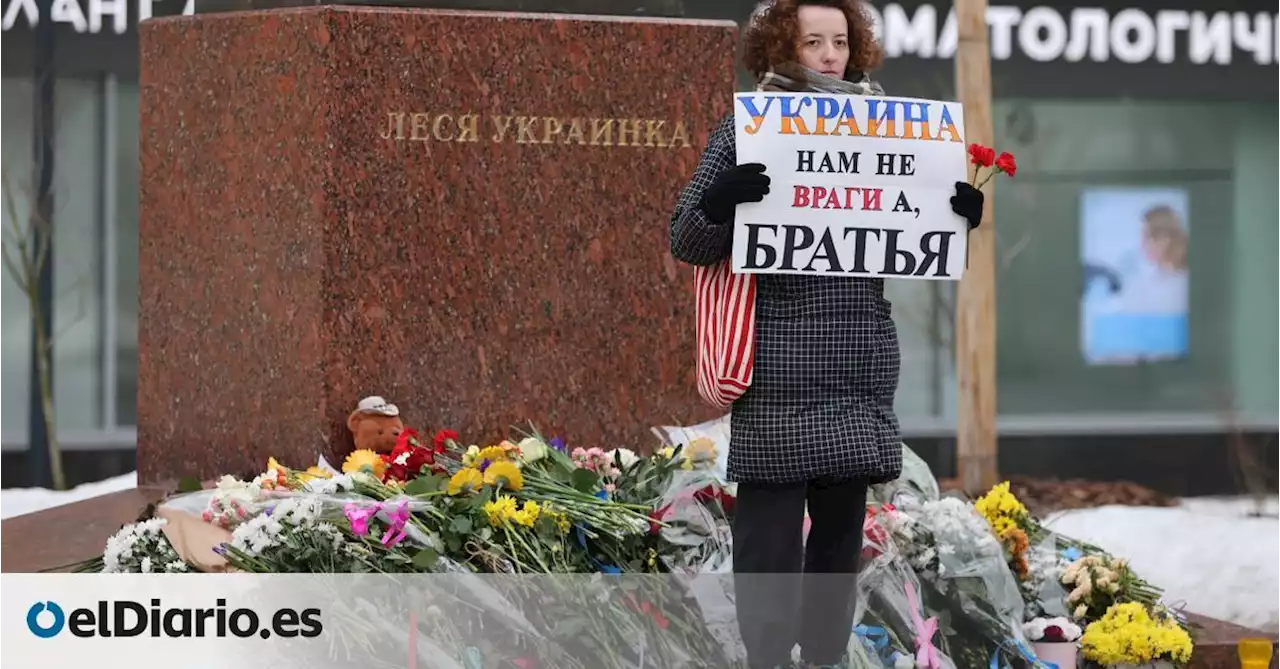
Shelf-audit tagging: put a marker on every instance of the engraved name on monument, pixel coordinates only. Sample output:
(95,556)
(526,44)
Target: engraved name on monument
(521,129)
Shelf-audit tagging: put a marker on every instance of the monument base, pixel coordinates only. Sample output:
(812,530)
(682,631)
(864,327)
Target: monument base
(466,213)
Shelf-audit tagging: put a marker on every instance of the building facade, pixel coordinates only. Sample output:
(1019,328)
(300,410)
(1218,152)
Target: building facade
(1136,278)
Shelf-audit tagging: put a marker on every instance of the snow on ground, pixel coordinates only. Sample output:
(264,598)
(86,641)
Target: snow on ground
(1206,553)
(18,501)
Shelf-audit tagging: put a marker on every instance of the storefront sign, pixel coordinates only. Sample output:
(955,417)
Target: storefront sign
(87,16)
(1122,36)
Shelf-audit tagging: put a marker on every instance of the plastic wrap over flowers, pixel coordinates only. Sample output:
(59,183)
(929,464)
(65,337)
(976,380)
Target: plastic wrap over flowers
(696,511)
(915,484)
(892,627)
(936,580)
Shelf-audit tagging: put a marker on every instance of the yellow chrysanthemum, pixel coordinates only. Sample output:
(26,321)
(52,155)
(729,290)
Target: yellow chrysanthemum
(466,480)
(505,474)
(528,514)
(1000,502)
(500,510)
(1128,634)
(561,521)
(364,460)
(492,454)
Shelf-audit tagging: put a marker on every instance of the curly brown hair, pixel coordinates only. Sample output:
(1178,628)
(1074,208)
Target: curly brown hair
(772,37)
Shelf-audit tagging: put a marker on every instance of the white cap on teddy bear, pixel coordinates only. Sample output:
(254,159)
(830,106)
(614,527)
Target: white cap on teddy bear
(377,405)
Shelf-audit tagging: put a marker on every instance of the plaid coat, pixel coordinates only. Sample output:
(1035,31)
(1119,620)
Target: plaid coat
(827,359)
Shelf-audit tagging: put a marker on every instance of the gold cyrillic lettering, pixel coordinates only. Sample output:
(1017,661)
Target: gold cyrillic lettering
(551,127)
(438,130)
(524,130)
(680,137)
(576,132)
(653,133)
(601,132)
(467,127)
(395,126)
(418,126)
(500,126)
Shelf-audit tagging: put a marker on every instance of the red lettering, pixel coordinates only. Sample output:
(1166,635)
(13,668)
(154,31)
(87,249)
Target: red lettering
(833,200)
(871,199)
(839,197)
(819,194)
(802,197)
(848,196)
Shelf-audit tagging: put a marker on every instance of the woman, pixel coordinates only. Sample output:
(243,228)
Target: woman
(817,425)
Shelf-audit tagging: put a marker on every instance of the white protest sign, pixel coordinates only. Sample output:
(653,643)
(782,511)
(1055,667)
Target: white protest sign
(859,186)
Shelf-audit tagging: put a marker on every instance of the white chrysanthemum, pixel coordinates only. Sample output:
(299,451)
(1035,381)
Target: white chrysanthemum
(626,456)
(329,486)
(137,548)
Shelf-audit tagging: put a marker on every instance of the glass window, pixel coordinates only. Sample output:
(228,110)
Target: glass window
(126,302)
(78,288)
(16,360)
(1115,272)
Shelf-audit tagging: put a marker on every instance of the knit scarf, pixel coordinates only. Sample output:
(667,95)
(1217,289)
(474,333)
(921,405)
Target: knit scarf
(796,78)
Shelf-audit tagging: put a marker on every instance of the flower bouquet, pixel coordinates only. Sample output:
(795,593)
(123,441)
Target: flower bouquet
(1128,635)
(958,580)
(531,508)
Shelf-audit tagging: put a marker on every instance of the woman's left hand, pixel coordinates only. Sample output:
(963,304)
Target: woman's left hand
(967,203)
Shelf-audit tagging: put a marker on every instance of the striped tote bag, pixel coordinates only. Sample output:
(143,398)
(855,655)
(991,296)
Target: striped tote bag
(726,330)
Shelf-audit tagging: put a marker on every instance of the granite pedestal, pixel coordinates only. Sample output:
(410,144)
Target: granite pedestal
(464,212)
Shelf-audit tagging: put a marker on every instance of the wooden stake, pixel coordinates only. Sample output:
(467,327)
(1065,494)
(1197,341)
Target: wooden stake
(976,300)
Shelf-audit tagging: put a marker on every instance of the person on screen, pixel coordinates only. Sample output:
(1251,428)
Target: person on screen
(817,425)
(1159,284)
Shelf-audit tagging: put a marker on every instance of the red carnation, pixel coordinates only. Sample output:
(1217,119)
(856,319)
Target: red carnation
(655,517)
(406,461)
(442,438)
(1053,633)
(407,437)
(982,156)
(1006,163)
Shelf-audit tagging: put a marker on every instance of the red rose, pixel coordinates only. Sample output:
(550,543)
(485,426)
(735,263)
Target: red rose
(442,438)
(982,156)
(1006,163)
(1053,633)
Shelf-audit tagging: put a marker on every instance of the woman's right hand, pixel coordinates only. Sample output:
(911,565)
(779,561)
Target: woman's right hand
(738,184)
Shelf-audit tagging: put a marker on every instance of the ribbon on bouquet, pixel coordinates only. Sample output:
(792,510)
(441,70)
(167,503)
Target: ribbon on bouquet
(359,517)
(876,636)
(926,654)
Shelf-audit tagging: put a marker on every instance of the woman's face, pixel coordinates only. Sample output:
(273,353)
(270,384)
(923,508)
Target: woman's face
(824,40)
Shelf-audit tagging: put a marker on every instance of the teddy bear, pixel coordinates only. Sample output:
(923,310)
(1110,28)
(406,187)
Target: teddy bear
(375,425)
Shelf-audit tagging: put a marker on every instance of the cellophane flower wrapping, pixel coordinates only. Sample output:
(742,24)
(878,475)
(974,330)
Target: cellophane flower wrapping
(482,609)
(883,622)
(959,573)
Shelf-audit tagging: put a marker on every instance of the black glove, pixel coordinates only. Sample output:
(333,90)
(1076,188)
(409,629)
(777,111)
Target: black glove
(967,203)
(738,184)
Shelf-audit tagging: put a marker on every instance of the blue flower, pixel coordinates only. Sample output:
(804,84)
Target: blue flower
(558,444)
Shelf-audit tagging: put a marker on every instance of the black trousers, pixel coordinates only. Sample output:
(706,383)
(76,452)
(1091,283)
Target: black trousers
(787,592)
